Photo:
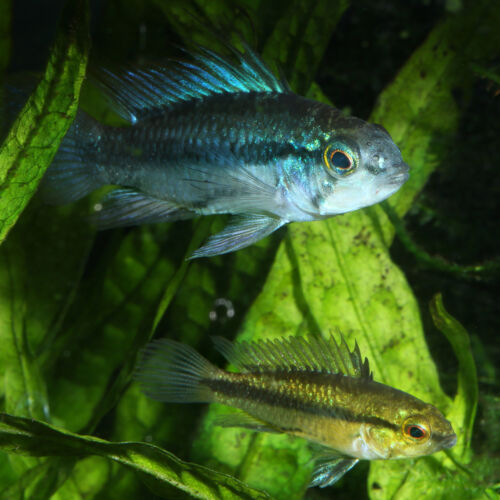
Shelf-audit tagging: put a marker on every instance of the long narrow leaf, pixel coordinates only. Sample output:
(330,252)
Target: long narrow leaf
(160,468)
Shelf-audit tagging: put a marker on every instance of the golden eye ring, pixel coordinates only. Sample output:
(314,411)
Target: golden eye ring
(415,430)
(338,160)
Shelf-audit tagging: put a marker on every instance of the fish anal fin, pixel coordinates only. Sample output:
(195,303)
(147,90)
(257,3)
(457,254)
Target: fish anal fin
(242,419)
(127,207)
(242,231)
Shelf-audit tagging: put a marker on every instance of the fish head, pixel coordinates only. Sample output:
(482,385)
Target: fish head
(415,430)
(361,166)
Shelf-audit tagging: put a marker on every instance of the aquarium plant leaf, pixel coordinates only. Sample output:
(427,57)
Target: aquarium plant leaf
(211,23)
(39,481)
(35,135)
(23,389)
(168,288)
(463,410)
(110,318)
(429,77)
(338,274)
(300,37)
(455,478)
(37,285)
(160,469)
(291,36)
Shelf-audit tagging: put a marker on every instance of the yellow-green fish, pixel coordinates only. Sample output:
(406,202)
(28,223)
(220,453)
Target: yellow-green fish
(313,388)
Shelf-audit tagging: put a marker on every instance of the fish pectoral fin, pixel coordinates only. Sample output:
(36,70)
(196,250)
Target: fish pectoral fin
(242,231)
(242,419)
(329,469)
(127,207)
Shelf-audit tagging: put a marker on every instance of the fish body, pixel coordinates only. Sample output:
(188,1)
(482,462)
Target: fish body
(311,388)
(211,137)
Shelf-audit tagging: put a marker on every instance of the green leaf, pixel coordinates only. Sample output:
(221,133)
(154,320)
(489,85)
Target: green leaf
(40,481)
(206,20)
(87,478)
(454,478)
(293,34)
(35,135)
(159,468)
(299,38)
(419,108)
(111,317)
(37,284)
(464,406)
(23,388)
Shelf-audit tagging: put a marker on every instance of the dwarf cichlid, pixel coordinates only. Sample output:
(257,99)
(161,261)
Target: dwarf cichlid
(212,137)
(313,388)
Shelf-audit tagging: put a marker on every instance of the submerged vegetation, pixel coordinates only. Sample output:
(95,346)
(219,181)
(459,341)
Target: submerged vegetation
(76,306)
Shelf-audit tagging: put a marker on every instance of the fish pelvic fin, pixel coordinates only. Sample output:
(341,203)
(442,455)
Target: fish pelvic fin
(174,373)
(127,207)
(73,174)
(316,354)
(242,231)
(329,469)
(136,93)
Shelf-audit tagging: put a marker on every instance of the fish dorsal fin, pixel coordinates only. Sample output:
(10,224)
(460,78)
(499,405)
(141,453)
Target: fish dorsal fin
(138,93)
(311,354)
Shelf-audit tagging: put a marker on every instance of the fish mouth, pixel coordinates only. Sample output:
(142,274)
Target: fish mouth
(449,441)
(402,175)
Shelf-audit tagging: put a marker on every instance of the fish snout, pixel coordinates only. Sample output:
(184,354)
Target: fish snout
(401,174)
(449,441)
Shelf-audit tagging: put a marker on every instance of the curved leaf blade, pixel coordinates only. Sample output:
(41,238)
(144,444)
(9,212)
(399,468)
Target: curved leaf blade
(159,468)
(465,402)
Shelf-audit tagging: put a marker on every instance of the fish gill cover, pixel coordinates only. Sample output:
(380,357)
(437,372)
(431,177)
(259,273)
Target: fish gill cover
(76,307)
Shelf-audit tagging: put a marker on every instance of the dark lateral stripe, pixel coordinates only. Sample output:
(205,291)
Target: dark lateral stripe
(273,398)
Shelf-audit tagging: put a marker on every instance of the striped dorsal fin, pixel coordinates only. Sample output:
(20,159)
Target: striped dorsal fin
(312,354)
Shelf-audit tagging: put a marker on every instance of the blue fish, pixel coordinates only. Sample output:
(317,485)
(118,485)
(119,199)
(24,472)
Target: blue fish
(212,136)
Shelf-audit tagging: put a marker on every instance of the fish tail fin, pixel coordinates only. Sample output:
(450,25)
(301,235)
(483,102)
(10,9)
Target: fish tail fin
(73,173)
(175,373)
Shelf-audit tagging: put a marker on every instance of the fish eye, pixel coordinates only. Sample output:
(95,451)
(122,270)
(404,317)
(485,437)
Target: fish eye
(416,432)
(339,160)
